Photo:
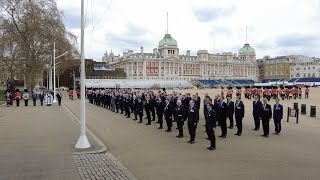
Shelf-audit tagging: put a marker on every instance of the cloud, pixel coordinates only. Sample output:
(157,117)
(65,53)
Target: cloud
(207,14)
(298,40)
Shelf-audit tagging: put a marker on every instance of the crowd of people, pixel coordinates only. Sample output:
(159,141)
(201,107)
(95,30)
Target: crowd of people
(42,96)
(185,108)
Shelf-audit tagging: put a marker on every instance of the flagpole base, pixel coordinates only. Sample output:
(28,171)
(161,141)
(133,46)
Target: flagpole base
(83,142)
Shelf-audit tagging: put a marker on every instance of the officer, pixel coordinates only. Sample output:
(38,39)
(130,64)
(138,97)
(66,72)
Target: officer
(192,121)
(277,116)
(59,97)
(256,105)
(239,114)
(140,109)
(230,111)
(266,114)
(211,125)
(147,108)
(180,118)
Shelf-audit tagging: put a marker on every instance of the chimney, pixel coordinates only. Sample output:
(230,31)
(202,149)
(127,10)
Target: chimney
(188,53)
(141,49)
(155,51)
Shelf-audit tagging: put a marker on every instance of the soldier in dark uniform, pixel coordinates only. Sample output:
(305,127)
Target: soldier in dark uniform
(135,107)
(168,115)
(140,109)
(211,125)
(152,107)
(277,116)
(128,105)
(222,117)
(147,108)
(180,118)
(230,111)
(41,97)
(160,110)
(117,102)
(216,103)
(185,103)
(257,105)
(266,114)
(239,114)
(121,103)
(124,104)
(192,121)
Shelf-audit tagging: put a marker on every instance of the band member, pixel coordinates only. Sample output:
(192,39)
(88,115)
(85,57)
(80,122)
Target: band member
(211,126)
(180,118)
(222,117)
(160,110)
(168,115)
(230,111)
(256,112)
(277,116)
(25,97)
(17,97)
(192,121)
(300,93)
(239,114)
(266,114)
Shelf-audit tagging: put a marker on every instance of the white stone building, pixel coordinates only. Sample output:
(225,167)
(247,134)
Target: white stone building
(165,62)
(306,69)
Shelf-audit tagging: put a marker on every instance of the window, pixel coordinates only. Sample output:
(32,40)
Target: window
(304,75)
(313,75)
(309,68)
(308,74)
(151,71)
(304,68)
(297,75)
(298,69)
(266,73)
(313,67)
(148,70)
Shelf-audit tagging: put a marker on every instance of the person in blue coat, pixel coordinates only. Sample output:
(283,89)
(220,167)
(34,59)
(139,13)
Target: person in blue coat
(239,114)
(277,116)
(266,115)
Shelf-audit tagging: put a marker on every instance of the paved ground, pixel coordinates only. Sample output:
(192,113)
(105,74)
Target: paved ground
(150,153)
(38,143)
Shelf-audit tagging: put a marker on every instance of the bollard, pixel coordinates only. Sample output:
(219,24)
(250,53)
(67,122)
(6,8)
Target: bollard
(303,109)
(313,111)
(295,105)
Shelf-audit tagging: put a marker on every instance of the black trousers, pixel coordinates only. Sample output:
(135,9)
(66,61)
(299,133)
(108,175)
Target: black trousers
(211,136)
(277,125)
(256,122)
(135,114)
(117,107)
(25,102)
(239,125)
(148,117)
(140,115)
(306,95)
(180,124)
(192,130)
(160,119)
(18,102)
(59,102)
(153,111)
(223,125)
(128,112)
(41,102)
(169,123)
(230,117)
(34,102)
(265,125)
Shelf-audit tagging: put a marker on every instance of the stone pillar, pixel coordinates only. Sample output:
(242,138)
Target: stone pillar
(169,69)
(144,69)
(132,69)
(159,69)
(138,73)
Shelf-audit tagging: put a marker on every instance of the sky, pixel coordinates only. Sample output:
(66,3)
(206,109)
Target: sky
(274,27)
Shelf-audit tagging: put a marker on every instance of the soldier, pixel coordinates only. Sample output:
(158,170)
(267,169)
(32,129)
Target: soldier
(160,110)
(230,111)
(239,114)
(152,107)
(277,116)
(306,91)
(192,121)
(266,114)
(17,97)
(25,97)
(256,112)
(222,117)
(211,125)
(180,118)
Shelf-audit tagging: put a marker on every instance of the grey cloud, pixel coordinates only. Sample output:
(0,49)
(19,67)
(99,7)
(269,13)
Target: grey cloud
(296,40)
(208,14)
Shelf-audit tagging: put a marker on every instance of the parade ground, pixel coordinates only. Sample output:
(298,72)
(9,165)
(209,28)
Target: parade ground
(38,143)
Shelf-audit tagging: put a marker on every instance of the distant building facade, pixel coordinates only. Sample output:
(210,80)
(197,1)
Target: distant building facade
(166,62)
(306,69)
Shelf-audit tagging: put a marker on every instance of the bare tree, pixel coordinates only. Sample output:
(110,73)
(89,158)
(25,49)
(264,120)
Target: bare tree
(30,27)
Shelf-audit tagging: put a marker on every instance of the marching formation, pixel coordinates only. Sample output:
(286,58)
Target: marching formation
(185,108)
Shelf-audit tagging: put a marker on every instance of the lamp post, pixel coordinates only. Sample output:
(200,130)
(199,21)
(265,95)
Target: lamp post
(54,70)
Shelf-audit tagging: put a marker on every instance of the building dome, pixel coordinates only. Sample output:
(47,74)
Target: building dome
(247,49)
(168,41)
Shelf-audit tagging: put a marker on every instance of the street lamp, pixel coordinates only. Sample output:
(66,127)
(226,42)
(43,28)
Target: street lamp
(54,70)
